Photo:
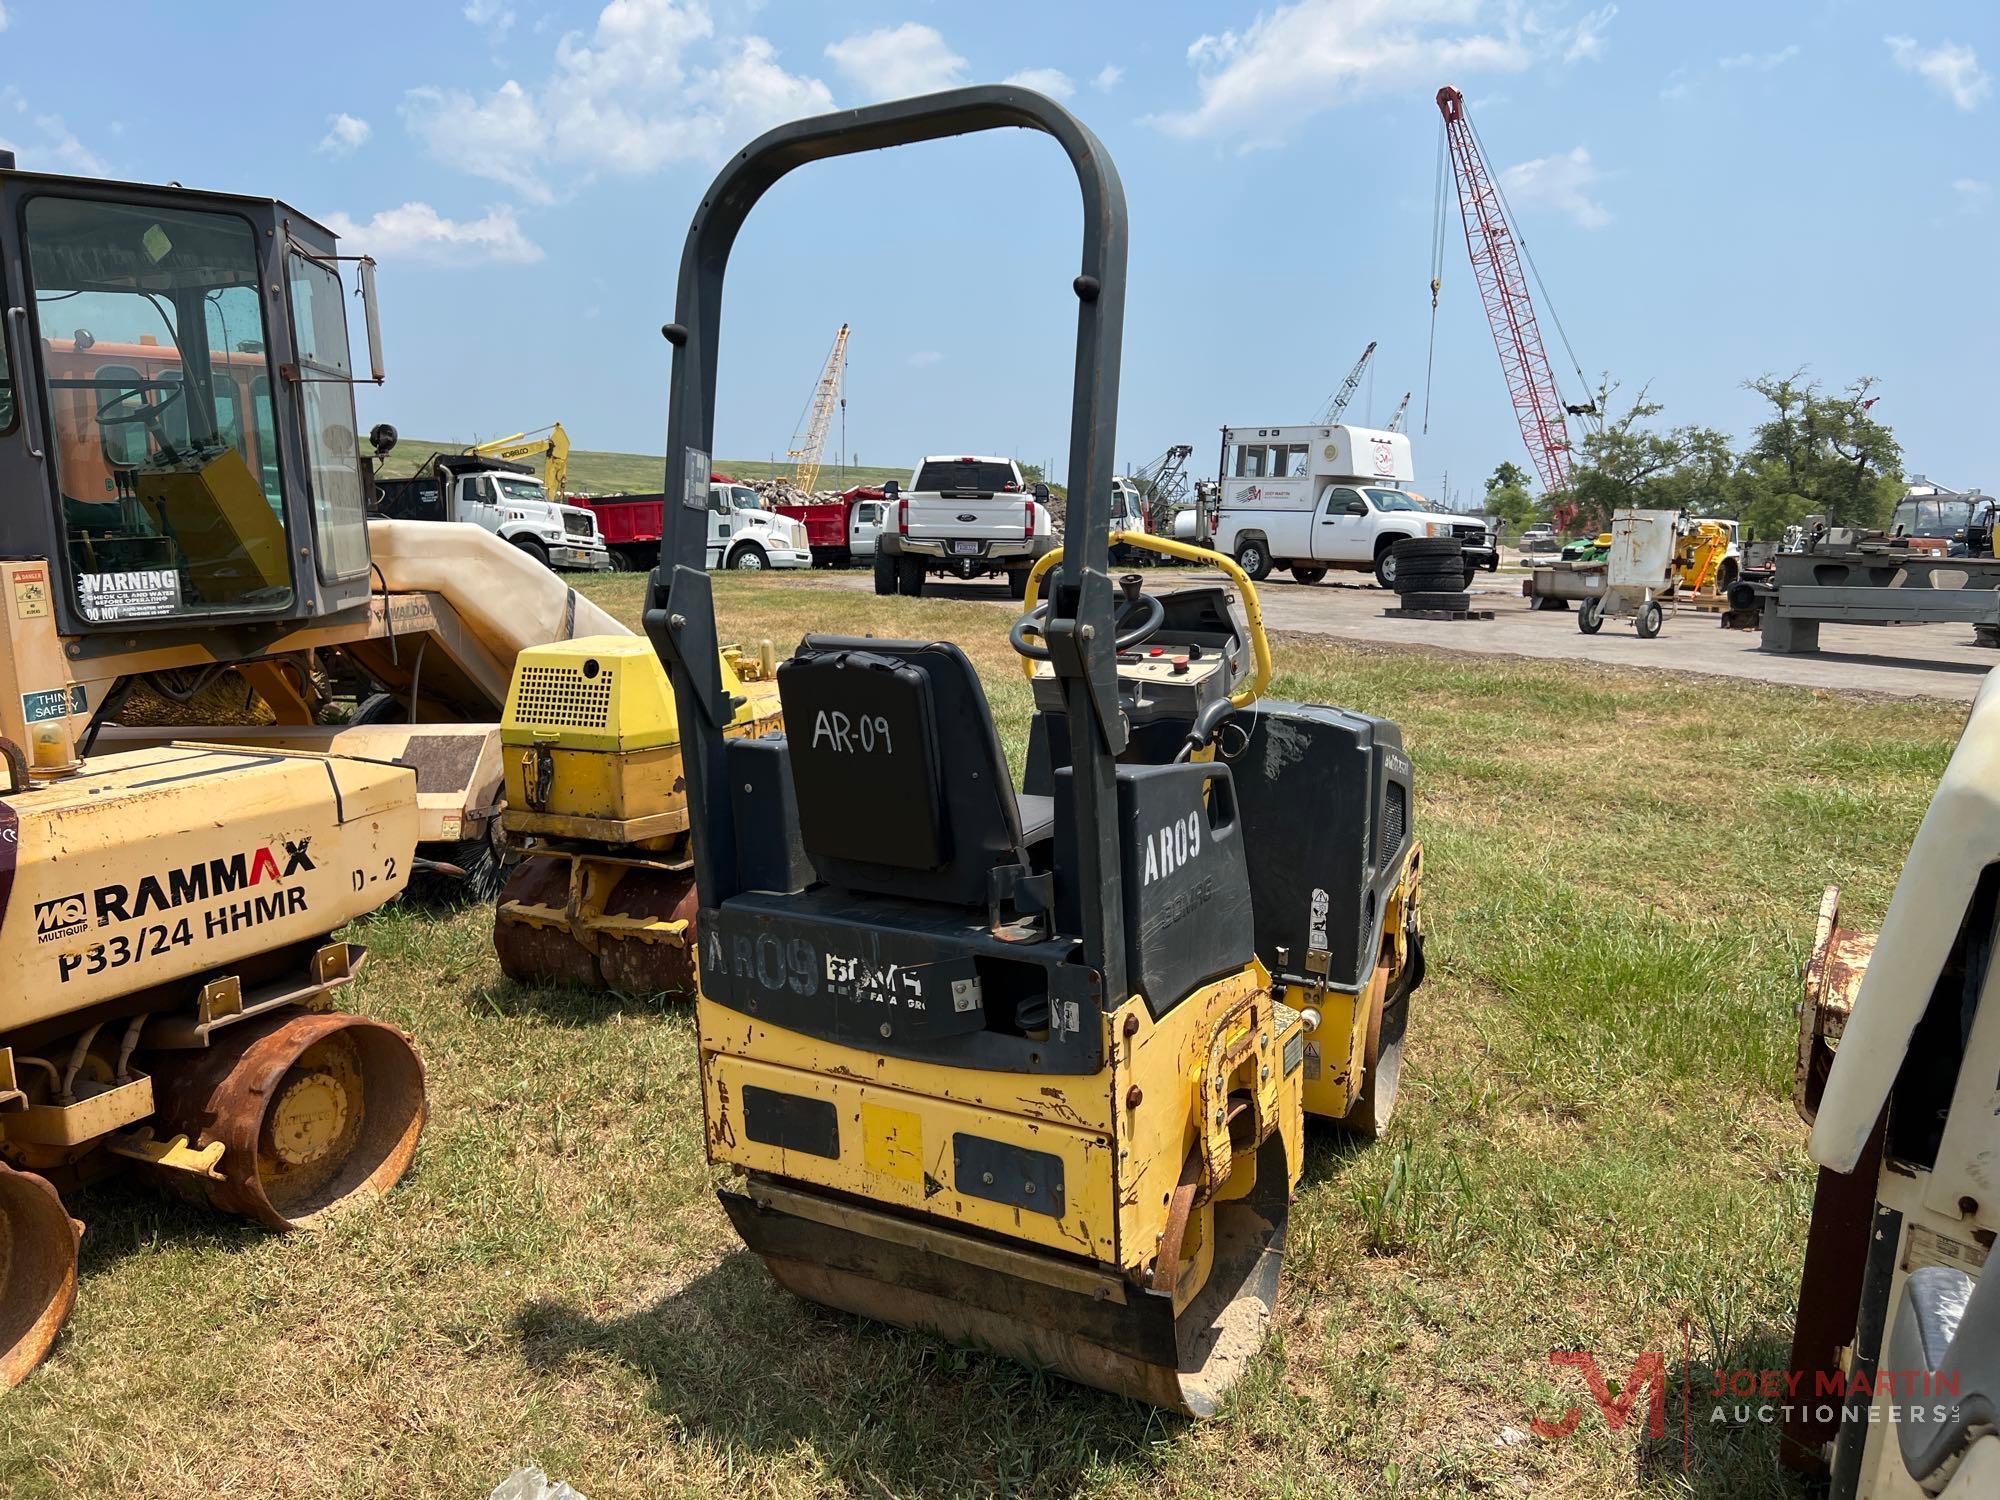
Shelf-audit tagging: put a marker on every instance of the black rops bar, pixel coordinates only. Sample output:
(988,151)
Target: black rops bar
(680,613)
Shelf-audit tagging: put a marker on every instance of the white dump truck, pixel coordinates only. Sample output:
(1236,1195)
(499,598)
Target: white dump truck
(507,499)
(1314,498)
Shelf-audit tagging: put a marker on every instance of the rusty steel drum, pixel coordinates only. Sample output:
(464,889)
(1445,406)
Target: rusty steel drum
(38,1242)
(316,1112)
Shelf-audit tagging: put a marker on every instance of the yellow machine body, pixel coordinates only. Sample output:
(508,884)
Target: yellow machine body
(150,867)
(597,810)
(591,744)
(1124,1226)
(1122,1134)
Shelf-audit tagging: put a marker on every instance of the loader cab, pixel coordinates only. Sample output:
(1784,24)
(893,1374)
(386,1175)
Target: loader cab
(177,427)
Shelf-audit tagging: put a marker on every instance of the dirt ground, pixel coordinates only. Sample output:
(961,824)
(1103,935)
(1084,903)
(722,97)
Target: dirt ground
(1902,661)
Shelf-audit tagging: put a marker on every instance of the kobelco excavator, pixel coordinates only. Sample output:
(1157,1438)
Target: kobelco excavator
(1029,1067)
(234,714)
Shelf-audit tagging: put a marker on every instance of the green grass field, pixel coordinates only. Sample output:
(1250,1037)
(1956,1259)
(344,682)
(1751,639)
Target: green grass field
(1595,1144)
(598,473)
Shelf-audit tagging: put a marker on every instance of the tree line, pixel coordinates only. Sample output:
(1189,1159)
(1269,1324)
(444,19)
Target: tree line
(1818,452)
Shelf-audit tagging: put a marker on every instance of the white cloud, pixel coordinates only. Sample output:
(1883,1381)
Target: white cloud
(1973,194)
(3,18)
(650,85)
(1585,41)
(418,233)
(495,18)
(925,357)
(897,61)
(1312,55)
(1107,78)
(1564,183)
(55,149)
(500,138)
(1760,62)
(344,135)
(1051,81)
(1949,68)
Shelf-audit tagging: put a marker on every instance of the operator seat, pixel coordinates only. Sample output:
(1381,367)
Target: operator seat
(1947,1331)
(901,784)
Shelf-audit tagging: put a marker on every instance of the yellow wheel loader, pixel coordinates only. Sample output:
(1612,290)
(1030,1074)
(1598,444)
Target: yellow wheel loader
(1029,1067)
(1896,1352)
(234,715)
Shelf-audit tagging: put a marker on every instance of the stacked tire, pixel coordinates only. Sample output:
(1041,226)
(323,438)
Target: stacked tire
(1429,573)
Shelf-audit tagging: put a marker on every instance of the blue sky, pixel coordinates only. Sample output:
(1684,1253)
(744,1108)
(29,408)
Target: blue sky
(1712,191)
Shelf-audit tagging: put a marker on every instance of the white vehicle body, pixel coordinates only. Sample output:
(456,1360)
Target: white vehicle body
(1128,513)
(963,517)
(743,534)
(1313,498)
(864,523)
(517,509)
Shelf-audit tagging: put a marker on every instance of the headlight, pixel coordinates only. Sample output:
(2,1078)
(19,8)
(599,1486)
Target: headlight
(1433,528)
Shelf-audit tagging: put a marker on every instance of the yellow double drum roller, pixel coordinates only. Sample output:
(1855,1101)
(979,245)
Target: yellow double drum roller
(1029,1065)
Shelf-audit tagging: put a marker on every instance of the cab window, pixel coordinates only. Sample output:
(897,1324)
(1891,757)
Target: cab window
(1339,497)
(163,514)
(326,401)
(1298,461)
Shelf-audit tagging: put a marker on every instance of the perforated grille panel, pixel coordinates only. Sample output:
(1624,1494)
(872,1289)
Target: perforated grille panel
(1395,819)
(563,698)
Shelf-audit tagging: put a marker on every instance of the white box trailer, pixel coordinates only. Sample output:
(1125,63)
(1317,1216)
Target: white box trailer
(1313,497)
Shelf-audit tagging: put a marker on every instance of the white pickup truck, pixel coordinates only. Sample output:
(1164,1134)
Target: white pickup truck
(962,518)
(1312,498)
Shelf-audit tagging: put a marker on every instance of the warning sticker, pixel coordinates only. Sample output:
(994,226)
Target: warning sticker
(694,494)
(139,594)
(1927,1247)
(31,593)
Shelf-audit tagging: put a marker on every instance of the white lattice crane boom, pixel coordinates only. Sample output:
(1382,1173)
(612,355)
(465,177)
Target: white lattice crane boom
(1337,403)
(809,442)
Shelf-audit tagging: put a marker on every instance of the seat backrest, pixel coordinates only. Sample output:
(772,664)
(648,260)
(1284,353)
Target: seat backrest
(902,787)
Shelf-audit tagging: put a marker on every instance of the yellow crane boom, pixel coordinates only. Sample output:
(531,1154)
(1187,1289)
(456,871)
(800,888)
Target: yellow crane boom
(809,442)
(550,444)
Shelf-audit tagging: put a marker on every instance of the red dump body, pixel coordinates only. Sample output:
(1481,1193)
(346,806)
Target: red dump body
(626,520)
(827,522)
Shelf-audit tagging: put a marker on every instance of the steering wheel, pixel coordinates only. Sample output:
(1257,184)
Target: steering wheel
(148,412)
(1154,616)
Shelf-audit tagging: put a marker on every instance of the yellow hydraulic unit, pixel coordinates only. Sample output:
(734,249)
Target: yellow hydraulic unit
(1028,1063)
(603,895)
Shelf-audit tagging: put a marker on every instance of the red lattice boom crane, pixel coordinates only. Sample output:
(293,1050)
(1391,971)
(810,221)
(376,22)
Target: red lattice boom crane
(1496,264)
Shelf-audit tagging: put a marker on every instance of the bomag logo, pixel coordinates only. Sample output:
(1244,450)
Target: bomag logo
(201,881)
(63,917)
